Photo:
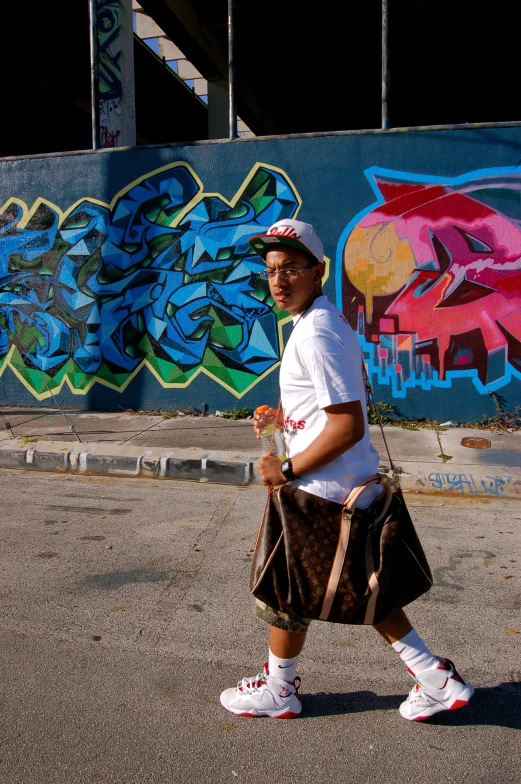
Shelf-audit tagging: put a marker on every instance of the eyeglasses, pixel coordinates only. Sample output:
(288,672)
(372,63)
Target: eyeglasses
(285,274)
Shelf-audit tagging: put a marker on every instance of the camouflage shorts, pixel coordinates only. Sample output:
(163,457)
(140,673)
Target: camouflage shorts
(282,620)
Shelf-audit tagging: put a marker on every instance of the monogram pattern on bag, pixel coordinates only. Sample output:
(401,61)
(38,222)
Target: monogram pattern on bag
(296,579)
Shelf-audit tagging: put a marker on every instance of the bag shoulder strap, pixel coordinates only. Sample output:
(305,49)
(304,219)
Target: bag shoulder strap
(372,402)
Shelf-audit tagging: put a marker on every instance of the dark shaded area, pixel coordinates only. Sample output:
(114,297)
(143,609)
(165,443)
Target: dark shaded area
(301,67)
(166,109)
(46,85)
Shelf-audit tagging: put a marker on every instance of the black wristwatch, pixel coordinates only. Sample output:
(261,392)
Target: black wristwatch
(287,469)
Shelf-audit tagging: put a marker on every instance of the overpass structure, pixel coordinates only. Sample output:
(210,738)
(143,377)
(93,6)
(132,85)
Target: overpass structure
(301,67)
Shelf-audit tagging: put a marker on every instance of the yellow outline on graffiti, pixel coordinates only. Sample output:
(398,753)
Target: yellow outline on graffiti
(29,213)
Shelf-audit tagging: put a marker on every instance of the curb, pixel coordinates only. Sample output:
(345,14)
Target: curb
(132,461)
(470,480)
(106,459)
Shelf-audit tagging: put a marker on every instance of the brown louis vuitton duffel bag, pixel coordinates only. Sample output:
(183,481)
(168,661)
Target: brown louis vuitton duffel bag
(318,559)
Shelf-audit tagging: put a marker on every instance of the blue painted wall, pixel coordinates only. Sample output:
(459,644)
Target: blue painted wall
(126,279)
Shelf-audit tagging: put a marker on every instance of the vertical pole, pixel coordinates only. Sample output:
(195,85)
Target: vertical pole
(385,66)
(114,43)
(94,95)
(232,111)
(218,109)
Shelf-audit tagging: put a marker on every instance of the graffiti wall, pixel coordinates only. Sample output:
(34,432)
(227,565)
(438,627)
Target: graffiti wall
(126,278)
(431,276)
(162,277)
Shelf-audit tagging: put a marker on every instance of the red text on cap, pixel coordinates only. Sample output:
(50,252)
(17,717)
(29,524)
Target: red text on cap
(284,231)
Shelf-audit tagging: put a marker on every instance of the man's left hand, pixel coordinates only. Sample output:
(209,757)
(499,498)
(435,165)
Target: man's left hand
(269,469)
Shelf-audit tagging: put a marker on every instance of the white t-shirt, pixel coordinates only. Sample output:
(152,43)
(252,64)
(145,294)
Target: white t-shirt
(322,366)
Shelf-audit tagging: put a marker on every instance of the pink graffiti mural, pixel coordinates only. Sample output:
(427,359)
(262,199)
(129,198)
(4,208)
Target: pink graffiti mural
(432,280)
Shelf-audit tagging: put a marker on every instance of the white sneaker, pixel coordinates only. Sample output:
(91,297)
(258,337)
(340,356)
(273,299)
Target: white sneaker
(439,690)
(263,695)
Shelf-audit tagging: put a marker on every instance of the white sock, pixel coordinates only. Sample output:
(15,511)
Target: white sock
(413,651)
(285,669)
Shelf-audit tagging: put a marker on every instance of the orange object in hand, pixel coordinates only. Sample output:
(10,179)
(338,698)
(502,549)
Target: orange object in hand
(271,437)
(268,428)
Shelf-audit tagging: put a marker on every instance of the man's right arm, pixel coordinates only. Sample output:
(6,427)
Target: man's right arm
(344,428)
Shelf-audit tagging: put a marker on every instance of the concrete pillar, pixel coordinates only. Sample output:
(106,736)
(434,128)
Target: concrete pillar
(218,103)
(116,94)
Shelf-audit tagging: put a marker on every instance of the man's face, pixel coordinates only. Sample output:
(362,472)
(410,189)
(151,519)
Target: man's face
(293,292)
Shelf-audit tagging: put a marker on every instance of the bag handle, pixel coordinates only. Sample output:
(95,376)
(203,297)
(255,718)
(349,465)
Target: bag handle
(354,495)
(343,542)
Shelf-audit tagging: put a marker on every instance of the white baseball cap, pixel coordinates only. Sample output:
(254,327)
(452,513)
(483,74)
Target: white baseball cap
(294,233)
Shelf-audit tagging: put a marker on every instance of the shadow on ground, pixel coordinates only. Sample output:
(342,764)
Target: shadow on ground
(491,706)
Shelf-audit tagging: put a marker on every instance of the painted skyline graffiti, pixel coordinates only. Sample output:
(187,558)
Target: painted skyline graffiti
(162,277)
(430,279)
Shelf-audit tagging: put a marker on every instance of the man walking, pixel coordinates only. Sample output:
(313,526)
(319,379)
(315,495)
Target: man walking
(330,453)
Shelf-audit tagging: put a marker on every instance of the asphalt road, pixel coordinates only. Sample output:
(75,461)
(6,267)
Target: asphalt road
(125,611)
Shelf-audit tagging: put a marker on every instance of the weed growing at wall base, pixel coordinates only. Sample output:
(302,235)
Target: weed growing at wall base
(504,420)
(235,413)
(391,415)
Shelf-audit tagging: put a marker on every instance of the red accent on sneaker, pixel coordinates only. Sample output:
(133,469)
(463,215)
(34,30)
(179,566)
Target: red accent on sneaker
(287,715)
(459,704)
(449,665)
(455,705)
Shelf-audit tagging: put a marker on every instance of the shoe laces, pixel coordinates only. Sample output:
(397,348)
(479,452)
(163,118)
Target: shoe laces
(415,693)
(251,685)
(418,694)
(258,682)
(421,693)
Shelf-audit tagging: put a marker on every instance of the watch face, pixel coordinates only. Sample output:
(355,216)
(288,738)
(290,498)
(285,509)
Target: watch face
(286,469)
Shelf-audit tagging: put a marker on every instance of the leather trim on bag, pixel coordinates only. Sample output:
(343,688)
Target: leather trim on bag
(372,582)
(270,559)
(336,569)
(343,540)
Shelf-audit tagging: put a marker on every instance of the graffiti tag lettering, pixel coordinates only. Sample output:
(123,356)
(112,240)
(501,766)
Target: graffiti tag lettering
(109,138)
(466,484)
(162,277)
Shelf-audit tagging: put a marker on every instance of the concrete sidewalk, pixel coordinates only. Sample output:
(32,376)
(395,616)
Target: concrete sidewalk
(220,450)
